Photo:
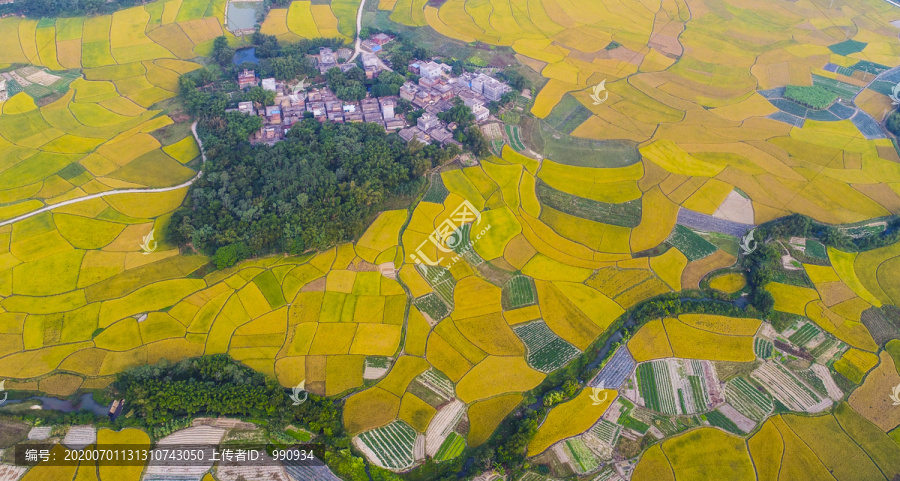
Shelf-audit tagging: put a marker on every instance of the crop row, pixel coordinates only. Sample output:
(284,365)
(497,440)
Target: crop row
(803,335)
(553,355)
(440,383)
(514,141)
(748,400)
(585,458)
(432,305)
(520,291)
(392,444)
(762,348)
(606,431)
(785,386)
(616,370)
(453,446)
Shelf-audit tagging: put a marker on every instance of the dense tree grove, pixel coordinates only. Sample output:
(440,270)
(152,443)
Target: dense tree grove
(213,385)
(62,8)
(317,187)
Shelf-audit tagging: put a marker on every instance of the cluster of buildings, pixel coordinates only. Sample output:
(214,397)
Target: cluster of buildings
(434,93)
(321,104)
(328,59)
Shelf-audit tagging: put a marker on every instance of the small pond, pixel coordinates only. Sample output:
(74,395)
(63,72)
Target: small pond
(242,15)
(245,55)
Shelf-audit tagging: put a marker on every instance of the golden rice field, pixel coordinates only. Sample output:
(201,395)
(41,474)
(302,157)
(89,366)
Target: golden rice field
(843,445)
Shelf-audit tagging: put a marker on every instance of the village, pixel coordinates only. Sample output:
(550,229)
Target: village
(435,92)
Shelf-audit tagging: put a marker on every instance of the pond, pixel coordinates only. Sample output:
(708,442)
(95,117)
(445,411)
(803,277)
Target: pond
(242,15)
(245,55)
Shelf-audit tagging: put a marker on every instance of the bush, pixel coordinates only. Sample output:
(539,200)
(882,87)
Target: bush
(893,123)
(231,254)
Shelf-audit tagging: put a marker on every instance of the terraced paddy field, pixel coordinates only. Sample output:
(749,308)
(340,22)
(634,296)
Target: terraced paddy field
(578,243)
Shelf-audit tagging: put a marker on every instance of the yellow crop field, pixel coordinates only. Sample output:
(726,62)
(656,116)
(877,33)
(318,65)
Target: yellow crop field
(791,299)
(571,418)
(564,318)
(854,364)
(416,412)
(650,342)
(682,123)
(729,283)
(669,267)
(692,343)
(722,324)
(370,409)
(692,454)
(654,466)
(497,375)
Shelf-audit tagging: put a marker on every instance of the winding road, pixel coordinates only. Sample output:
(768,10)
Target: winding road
(117,192)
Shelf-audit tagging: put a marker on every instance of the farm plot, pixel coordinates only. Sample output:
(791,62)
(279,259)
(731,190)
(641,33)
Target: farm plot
(762,348)
(391,446)
(607,432)
(788,388)
(436,192)
(689,243)
(655,387)
(678,386)
(433,305)
(749,400)
(547,352)
(512,133)
(441,429)
(883,323)
(519,291)
(719,419)
(624,214)
(453,446)
(440,280)
(804,334)
(585,460)
(616,371)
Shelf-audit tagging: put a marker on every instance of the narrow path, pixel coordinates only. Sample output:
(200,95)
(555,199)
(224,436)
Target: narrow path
(117,192)
(358,48)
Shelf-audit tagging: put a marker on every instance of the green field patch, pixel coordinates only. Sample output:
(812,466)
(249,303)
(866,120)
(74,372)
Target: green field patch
(432,305)
(842,89)
(625,214)
(584,458)
(690,243)
(270,289)
(518,292)
(847,47)
(451,448)
(567,115)
(715,418)
(815,97)
(547,352)
(436,192)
